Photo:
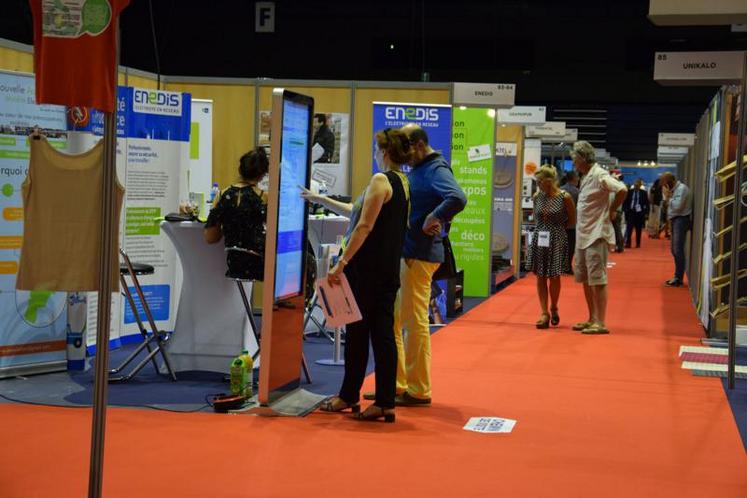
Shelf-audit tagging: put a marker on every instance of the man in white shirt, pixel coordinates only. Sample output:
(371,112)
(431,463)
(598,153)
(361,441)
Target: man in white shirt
(594,233)
(679,209)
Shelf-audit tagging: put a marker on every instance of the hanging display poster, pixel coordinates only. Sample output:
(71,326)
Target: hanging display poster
(32,324)
(532,159)
(504,173)
(434,119)
(201,147)
(473,148)
(330,149)
(153,157)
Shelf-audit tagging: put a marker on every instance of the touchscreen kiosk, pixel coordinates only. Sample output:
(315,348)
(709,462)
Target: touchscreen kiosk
(284,285)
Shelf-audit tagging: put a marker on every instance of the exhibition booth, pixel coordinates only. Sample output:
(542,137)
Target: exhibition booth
(178,156)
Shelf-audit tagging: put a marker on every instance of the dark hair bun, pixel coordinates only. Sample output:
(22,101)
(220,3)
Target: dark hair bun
(254,164)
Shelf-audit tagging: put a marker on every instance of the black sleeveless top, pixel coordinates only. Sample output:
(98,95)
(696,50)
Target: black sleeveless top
(242,214)
(379,256)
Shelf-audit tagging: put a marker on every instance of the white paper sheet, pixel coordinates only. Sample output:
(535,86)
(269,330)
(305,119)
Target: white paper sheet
(478,153)
(490,425)
(543,238)
(317,151)
(338,302)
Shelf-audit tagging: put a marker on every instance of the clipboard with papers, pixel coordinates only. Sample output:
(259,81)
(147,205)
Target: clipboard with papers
(337,302)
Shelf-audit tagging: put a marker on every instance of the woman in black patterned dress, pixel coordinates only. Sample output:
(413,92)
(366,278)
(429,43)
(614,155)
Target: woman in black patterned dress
(239,216)
(554,212)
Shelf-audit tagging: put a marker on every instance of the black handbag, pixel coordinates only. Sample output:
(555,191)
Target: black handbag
(448,268)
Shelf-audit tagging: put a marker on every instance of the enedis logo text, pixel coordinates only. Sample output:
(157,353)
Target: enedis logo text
(157,102)
(410,113)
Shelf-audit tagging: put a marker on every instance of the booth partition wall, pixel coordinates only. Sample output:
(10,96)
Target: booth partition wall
(709,170)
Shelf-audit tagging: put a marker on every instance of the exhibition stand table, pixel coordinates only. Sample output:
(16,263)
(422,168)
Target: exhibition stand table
(211,326)
(326,229)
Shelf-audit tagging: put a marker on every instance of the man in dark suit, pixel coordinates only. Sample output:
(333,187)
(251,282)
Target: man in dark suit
(635,207)
(324,137)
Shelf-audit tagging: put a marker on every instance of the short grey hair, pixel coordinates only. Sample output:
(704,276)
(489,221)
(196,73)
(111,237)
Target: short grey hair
(584,150)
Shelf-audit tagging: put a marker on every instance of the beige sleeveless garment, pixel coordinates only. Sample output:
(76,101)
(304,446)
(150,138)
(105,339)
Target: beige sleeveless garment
(62,220)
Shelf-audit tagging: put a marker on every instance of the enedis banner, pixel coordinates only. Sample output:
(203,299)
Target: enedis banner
(32,324)
(433,118)
(153,129)
(473,148)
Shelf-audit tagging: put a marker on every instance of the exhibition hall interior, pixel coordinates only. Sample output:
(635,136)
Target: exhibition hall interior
(416,248)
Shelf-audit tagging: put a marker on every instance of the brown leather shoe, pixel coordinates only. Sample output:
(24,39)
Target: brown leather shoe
(405,399)
(371,395)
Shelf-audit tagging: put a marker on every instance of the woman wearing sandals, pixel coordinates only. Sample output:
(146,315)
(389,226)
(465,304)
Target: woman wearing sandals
(554,212)
(371,261)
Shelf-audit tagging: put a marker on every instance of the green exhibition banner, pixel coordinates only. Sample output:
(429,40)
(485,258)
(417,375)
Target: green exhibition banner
(472,151)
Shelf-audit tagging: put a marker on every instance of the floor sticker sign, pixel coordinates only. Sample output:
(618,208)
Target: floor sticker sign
(490,425)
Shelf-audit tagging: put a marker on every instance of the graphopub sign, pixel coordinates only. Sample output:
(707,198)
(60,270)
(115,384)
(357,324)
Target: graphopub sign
(698,68)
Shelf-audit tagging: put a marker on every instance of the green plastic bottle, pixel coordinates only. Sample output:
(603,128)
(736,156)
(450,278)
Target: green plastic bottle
(239,376)
(249,363)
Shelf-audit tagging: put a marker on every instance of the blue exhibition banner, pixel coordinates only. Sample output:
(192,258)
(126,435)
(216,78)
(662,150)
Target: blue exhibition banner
(647,174)
(141,113)
(504,176)
(32,324)
(435,119)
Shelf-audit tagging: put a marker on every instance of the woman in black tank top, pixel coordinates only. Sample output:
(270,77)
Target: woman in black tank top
(371,261)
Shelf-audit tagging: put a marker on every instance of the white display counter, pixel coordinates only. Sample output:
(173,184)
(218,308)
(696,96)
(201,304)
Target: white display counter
(326,229)
(211,325)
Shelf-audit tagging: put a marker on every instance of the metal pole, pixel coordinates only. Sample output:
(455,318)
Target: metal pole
(98,430)
(736,231)
(338,345)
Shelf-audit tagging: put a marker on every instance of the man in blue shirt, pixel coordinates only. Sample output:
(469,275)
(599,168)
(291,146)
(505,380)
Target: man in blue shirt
(435,199)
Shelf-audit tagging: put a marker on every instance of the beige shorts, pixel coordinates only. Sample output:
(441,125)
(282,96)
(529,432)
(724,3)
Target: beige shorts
(591,263)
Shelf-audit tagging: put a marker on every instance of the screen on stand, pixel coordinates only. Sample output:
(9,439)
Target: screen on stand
(292,214)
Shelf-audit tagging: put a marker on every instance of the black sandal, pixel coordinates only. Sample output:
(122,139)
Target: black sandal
(337,404)
(555,317)
(374,413)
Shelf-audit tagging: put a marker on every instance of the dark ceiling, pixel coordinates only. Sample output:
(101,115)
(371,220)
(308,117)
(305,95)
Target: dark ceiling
(572,55)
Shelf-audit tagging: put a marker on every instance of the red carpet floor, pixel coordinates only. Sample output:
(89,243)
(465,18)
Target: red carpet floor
(598,416)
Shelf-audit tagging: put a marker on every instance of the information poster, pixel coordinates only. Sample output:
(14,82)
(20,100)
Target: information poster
(504,173)
(434,119)
(153,149)
(32,324)
(201,147)
(532,159)
(473,149)
(330,165)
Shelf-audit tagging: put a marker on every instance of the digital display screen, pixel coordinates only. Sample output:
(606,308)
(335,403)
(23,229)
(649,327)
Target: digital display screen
(294,155)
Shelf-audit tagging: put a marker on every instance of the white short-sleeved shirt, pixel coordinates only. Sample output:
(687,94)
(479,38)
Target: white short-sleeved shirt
(593,219)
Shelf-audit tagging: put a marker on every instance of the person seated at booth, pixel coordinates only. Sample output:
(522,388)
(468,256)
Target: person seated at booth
(239,216)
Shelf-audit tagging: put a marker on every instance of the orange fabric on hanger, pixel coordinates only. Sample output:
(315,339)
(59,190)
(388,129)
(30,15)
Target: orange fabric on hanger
(75,52)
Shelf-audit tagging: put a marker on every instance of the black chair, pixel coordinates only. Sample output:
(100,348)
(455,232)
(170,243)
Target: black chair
(155,340)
